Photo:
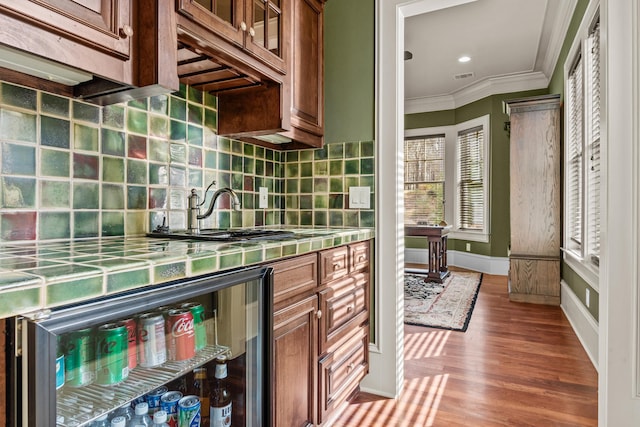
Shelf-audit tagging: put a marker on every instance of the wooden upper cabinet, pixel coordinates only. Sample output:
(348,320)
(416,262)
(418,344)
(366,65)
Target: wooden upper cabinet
(118,49)
(307,72)
(256,26)
(103,25)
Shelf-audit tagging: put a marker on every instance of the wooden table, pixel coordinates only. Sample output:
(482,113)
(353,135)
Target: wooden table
(437,237)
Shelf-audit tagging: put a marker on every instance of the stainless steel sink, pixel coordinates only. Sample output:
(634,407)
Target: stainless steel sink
(224,235)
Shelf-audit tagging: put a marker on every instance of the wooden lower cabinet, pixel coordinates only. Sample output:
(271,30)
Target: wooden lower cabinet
(341,370)
(320,333)
(295,332)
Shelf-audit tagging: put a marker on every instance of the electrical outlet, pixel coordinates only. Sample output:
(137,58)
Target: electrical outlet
(587,296)
(468,247)
(263,198)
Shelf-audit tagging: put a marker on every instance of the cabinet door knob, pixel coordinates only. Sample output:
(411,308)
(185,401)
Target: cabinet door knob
(243,26)
(319,314)
(126,31)
(252,32)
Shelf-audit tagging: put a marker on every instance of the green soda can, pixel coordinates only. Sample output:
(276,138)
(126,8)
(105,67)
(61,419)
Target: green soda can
(197,311)
(79,357)
(112,354)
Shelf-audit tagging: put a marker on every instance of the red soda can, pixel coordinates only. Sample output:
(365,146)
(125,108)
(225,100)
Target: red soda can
(181,334)
(132,341)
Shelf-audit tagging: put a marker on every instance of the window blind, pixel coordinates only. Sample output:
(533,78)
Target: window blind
(424,178)
(471,179)
(593,172)
(575,101)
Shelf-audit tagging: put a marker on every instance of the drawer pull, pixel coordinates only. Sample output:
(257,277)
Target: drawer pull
(361,258)
(350,367)
(336,267)
(319,314)
(350,308)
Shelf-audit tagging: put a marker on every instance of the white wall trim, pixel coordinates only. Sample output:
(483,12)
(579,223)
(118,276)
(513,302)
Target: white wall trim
(582,322)
(482,263)
(479,90)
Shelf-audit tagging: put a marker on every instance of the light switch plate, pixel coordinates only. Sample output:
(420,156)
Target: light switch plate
(359,197)
(263,199)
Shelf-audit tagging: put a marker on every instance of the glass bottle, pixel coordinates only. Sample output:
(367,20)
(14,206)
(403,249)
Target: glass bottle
(141,417)
(220,401)
(160,419)
(202,390)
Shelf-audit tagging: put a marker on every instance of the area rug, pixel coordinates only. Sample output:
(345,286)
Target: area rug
(446,305)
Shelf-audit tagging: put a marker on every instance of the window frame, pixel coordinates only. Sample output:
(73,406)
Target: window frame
(576,255)
(451,187)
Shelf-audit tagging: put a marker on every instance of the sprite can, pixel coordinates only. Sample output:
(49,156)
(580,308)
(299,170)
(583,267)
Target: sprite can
(79,360)
(197,310)
(189,412)
(112,348)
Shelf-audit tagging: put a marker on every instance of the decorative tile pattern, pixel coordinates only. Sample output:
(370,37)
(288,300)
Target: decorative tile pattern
(123,169)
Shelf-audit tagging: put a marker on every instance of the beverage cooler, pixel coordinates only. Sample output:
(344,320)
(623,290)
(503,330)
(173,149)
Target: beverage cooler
(198,349)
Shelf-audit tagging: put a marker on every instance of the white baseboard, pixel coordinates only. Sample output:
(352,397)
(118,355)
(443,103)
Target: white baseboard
(471,261)
(582,322)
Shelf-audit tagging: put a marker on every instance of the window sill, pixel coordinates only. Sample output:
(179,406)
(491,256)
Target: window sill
(583,268)
(469,235)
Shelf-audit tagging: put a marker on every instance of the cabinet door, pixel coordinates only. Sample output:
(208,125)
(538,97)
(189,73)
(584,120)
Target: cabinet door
(223,17)
(99,24)
(267,24)
(307,70)
(295,351)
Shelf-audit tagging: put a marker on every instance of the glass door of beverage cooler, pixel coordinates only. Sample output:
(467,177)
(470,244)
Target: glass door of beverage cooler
(83,362)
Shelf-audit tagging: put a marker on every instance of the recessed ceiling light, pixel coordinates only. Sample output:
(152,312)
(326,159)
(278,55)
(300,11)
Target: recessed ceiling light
(464,59)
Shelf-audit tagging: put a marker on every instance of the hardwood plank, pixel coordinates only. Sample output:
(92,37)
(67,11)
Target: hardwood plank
(517,365)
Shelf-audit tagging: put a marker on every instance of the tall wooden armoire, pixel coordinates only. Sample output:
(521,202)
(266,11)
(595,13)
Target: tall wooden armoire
(535,191)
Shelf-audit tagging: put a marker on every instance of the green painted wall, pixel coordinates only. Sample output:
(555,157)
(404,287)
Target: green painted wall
(349,49)
(556,85)
(499,167)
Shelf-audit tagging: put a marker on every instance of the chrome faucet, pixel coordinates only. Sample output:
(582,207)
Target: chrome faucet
(193,213)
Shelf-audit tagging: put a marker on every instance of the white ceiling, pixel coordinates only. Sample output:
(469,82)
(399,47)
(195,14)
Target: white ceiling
(513,45)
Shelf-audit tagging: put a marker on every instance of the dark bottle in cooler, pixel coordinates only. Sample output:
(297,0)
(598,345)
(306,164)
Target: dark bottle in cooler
(220,400)
(201,389)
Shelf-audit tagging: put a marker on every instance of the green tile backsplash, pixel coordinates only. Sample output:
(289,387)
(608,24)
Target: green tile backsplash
(75,170)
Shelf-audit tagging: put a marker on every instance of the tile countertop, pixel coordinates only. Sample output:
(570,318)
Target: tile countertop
(43,275)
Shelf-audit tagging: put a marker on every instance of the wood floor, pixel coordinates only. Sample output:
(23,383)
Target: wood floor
(517,365)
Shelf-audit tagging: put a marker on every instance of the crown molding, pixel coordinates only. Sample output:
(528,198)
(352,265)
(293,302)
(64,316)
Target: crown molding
(482,89)
(556,24)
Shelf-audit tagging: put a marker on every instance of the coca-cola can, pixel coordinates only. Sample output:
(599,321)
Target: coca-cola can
(181,334)
(152,345)
(132,342)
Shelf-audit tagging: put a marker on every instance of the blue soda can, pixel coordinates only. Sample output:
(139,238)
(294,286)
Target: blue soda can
(189,412)
(59,364)
(169,404)
(153,399)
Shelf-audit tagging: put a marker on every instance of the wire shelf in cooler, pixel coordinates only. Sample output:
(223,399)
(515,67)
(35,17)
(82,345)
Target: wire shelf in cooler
(79,406)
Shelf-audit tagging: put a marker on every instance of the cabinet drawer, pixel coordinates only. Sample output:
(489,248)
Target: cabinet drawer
(344,305)
(334,264)
(293,278)
(341,371)
(359,256)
